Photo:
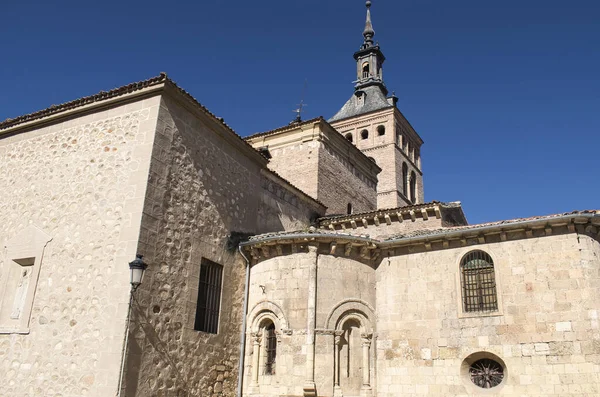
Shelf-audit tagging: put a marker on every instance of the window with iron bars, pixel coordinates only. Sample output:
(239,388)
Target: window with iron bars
(478,282)
(209,297)
(271,349)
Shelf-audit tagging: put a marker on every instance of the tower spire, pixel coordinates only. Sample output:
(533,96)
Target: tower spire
(368,33)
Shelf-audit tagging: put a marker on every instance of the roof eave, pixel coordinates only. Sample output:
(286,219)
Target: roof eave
(145,92)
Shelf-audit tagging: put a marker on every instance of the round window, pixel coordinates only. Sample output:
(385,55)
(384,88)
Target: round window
(486,373)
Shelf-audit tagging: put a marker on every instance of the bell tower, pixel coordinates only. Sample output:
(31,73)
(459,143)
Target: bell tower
(369,59)
(371,120)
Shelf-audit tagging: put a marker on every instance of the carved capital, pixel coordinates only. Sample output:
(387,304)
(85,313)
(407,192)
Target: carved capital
(366,339)
(256,338)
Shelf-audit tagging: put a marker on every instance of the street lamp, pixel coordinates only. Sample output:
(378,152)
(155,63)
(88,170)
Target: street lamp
(137,268)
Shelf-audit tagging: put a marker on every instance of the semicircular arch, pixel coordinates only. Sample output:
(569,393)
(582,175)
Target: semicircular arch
(267,310)
(351,309)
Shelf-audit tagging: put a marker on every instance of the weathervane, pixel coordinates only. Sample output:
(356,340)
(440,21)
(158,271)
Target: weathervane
(301,105)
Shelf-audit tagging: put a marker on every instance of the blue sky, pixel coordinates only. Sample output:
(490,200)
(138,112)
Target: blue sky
(506,96)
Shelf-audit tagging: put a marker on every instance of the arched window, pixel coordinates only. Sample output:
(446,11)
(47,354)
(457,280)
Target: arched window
(381,130)
(270,348)
(365,70)
(349,209)
(348,136)
(404,179)
(413,187)
(478,282)
(364,134)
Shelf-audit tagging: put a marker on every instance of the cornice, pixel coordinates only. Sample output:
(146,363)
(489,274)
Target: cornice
(580,222)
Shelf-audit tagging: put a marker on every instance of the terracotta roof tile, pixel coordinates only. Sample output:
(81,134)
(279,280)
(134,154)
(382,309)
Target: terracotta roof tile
(359,215)
(433,232)
(101,96)
(285,127)
(126,89)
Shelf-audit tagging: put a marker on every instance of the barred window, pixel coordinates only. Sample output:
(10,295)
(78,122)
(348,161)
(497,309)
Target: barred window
(271,349)
(209,297)
(478,282)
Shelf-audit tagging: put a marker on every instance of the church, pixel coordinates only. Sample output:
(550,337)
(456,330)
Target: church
(301,261)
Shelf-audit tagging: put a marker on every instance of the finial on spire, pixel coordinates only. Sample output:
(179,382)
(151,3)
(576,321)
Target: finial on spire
(368,33)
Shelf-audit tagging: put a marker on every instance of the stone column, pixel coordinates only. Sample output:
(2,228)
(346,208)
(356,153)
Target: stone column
(311,318)
(337,390)
(365,390)
(253,389)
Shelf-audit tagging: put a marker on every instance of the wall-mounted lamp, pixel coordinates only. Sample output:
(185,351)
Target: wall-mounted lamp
(137,268)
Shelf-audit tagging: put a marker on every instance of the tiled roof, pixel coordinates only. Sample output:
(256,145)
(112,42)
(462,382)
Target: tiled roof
(307,231)
(509,222)
(126,89)
(360,215)
(284,128)
(375,100)
(101,96)
(414,234)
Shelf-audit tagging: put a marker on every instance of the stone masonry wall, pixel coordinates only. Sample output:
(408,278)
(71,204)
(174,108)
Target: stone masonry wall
(299,165)
(200,189)
(338,186)
(280,286)
(82,182)
(547,329)
(282,281)
(282,207)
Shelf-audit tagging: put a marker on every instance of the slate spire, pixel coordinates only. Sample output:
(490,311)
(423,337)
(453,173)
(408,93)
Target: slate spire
(368,33)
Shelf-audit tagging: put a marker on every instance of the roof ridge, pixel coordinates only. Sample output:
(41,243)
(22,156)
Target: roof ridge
(86,100)
(285,127)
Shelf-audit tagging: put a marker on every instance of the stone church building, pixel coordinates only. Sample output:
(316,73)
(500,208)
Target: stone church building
(302,261)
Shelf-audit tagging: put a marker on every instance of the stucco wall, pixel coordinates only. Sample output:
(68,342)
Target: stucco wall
(82,182)
(546,332)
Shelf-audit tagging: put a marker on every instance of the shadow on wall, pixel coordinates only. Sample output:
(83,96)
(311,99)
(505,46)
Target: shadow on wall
(148,334)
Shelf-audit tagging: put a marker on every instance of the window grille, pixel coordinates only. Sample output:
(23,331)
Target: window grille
(209,297)
(486,373)
(478,282)
(271,347)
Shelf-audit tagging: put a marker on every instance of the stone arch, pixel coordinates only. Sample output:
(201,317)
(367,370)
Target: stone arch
(266,310)
(348,309)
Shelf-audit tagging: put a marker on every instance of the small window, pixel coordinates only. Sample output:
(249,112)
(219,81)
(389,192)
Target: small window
(271,349)
(365,70)
(364,134)
(348,136)
(478,282)
(349,210)
(381,130)
(209,297)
